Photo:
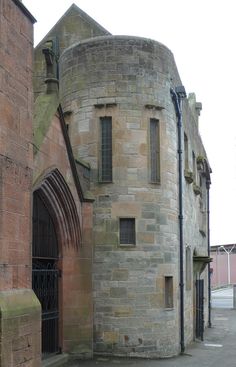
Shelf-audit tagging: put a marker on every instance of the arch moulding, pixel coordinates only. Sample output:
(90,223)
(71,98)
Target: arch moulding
(56,194)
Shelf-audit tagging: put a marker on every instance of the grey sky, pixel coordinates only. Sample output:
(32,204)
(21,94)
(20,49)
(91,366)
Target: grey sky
(201,34)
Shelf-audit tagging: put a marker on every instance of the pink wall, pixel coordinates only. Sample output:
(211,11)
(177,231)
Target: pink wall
(220,269)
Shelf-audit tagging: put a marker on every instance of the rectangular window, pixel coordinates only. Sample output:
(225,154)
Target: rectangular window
(127,231)
(169,302)
(154,151)
(105,172)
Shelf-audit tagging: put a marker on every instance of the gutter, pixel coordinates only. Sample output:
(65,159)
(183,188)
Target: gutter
(25,11)
(178,94)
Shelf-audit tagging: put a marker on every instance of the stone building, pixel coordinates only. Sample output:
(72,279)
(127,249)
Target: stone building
(46,212)
(120,196)
(117,90)
(19,307)
(122,120)
(62,232)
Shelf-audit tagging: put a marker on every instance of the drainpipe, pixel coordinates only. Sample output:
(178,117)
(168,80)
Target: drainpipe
(178,94)
(208,182)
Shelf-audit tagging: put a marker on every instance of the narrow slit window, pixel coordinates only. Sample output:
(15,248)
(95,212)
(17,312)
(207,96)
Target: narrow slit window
(127,231)
(194,165)
(185,152)
(188,273)
(105,149)
(154,151)
(169,302)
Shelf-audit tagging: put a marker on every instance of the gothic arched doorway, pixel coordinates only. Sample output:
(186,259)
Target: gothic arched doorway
(56,238)
(45,273)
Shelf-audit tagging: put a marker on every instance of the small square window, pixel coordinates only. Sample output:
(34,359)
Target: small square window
(127,231)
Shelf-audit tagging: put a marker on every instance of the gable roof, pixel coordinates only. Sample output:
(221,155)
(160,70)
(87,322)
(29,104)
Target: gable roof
(73,27)
(75,11)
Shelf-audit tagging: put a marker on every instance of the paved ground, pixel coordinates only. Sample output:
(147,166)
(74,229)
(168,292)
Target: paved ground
(222,298)
(217,350)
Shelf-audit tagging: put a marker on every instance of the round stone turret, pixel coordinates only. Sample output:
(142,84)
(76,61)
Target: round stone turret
(115,91)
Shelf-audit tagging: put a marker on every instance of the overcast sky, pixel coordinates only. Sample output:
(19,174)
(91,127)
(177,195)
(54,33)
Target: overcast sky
(201,34)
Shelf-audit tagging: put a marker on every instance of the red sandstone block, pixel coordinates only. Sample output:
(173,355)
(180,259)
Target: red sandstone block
(14,37)
(21,342)
(3,249)
(2,74)
(86,250)
(22,356)
(12,205)
(25,78)
(16,87)
(7,62)
(26,30)
(5,277)
(16,174)
(9,114)
(15,137)
(24,277)
(11,191)
(83,266)
(17,98)
(3,32)
(15,279)
(25,328)
(18,257)
(3,144)
(26,124)
(25,227)
(87,209)
(10,227)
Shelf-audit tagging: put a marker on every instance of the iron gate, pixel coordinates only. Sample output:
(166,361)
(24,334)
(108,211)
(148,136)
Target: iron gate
(45,274)
(199,308)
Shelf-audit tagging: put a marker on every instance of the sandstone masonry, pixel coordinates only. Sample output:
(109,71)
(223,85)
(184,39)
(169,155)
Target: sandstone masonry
(128,80)
(19,307)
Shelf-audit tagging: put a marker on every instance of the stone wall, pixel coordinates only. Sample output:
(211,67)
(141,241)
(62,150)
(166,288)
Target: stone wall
(195,210)
(75,25)
(75,263)
(19,308)
(129,79)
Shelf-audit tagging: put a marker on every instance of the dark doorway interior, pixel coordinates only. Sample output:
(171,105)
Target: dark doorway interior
(199,308)
(45,274)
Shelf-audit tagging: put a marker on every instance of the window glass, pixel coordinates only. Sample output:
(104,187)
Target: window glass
(127,231)
(154,151)
(105,174)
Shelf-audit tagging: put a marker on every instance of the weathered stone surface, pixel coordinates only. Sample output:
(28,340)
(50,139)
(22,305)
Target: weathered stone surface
(20,324)
(20,313)
(74,26)
(133,73)
(120,274)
